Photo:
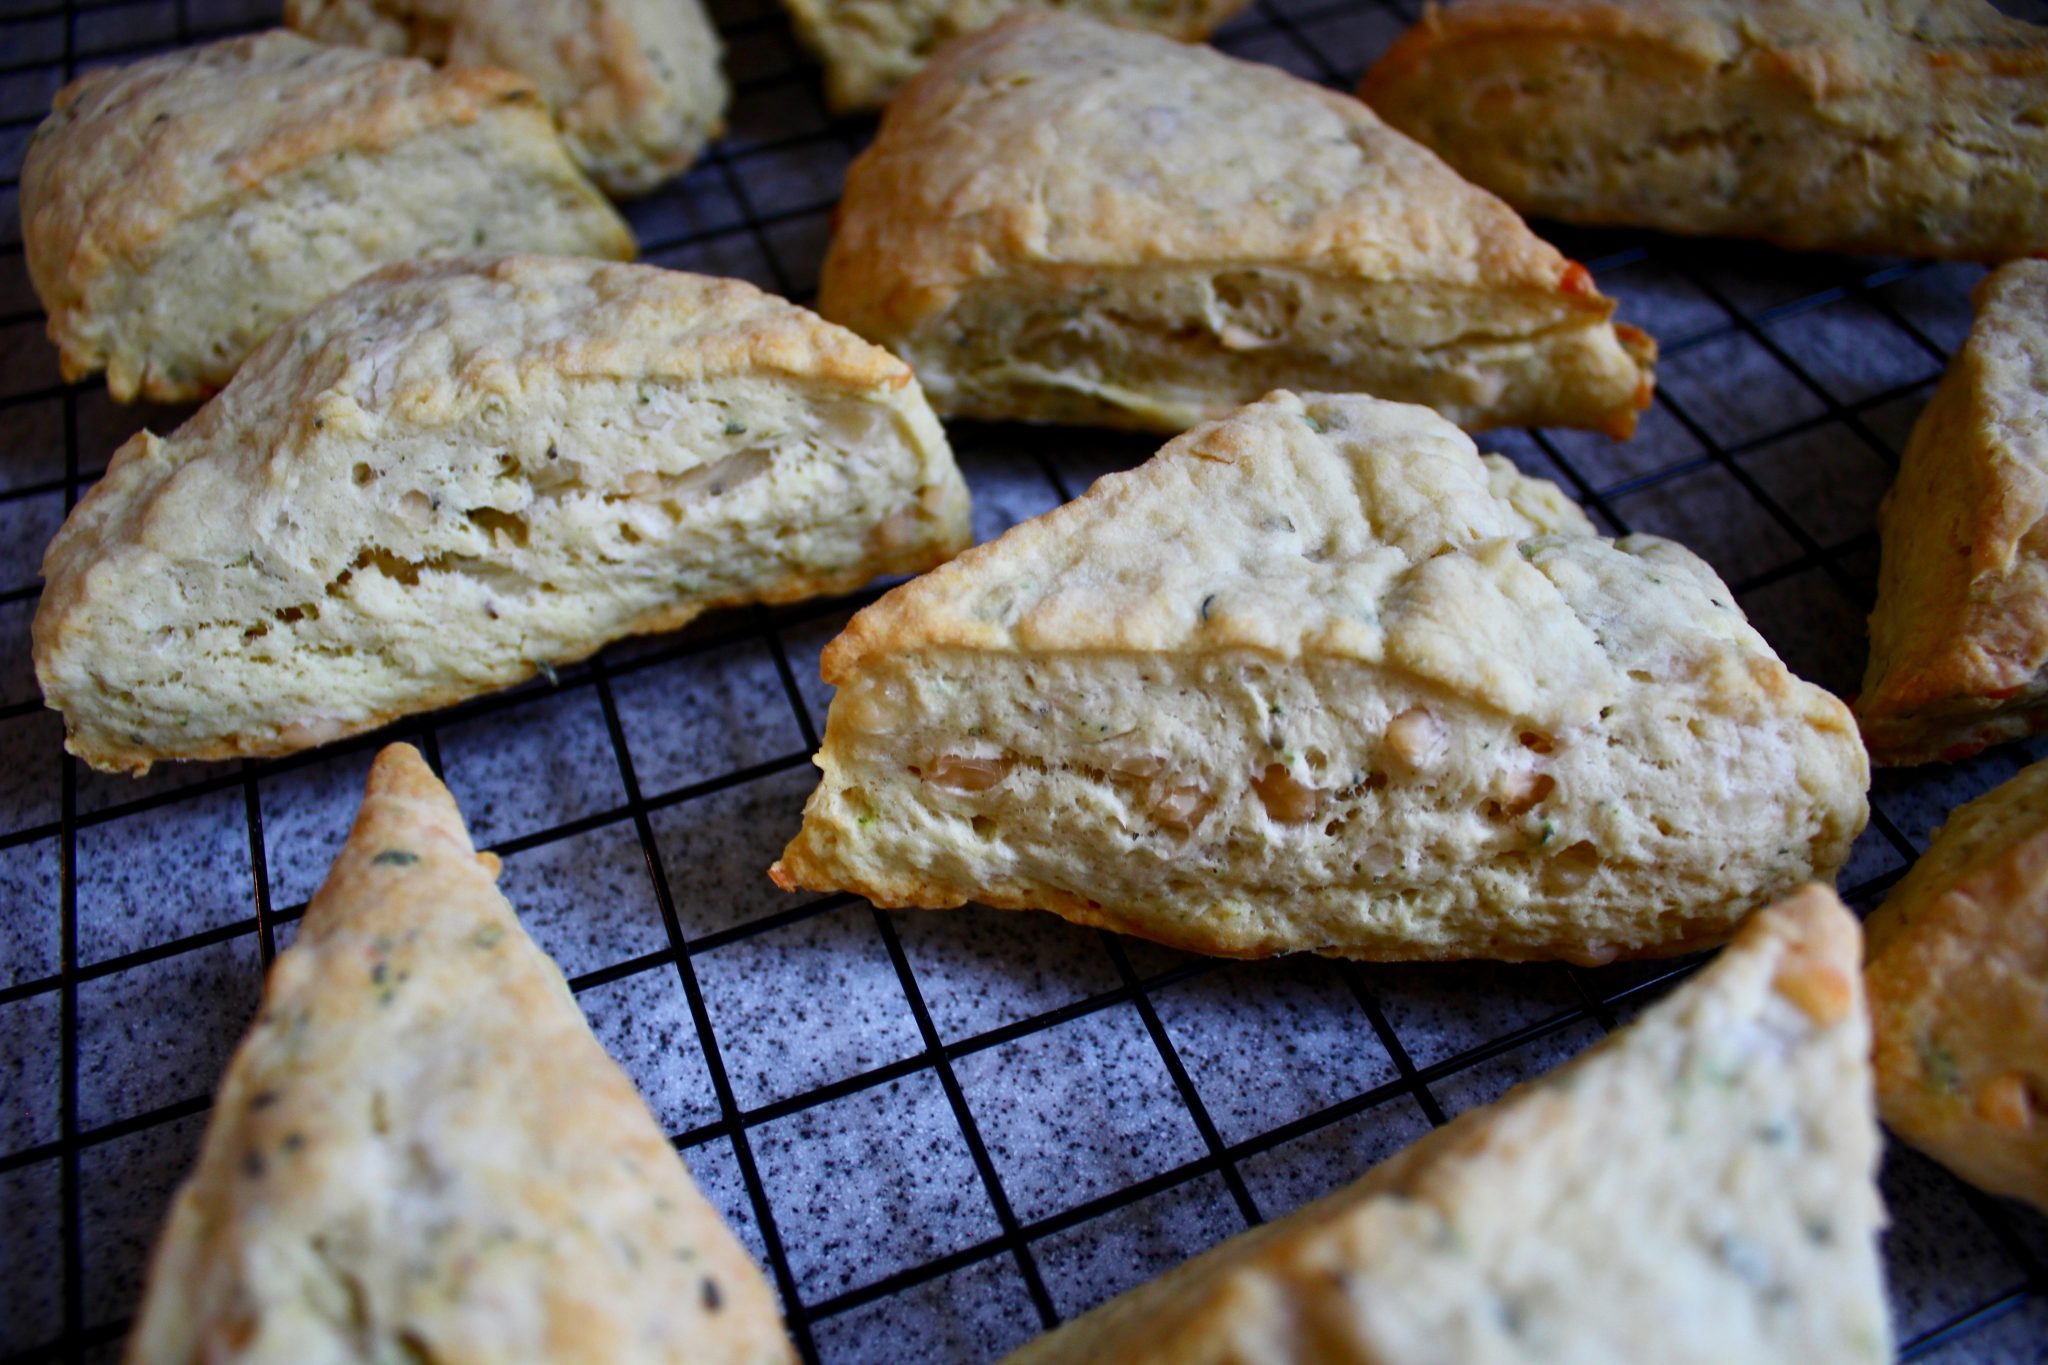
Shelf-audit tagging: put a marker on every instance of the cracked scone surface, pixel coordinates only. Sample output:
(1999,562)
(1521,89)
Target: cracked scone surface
(1701,1187)
(1959,633)
(1958,983)
(176,210)
(1316,677)
(1910,127)
(1061,221)
(420,1153)
(634,84)
(871,47)
(457,472)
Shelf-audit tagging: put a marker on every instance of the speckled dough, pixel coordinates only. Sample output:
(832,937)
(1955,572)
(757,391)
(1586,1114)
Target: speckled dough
(1699,1188)
(175,211)
(1318,678)
(458,472)
(1915,127)
(1959,993)
(871,47)
(419,1153)
(1959,635)
(634,84)
(1065,222)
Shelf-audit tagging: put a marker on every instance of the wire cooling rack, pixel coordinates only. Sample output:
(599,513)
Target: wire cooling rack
(940,1133)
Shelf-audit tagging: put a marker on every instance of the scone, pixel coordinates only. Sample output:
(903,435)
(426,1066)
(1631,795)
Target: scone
(1065,222)
(871,47)
(1958,984)
(1317,678)
(420,1153)
(634,84)
(1699,1188)
(1913,127)
(1959,635)
(457,473)
(174,212)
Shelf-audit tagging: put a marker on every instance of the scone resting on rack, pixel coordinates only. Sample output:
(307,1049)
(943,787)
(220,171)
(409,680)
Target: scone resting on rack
(177,210)
(634,84)
(1959,635)
(869,48)
(420,1153)
(1318,678)
(458,472)
(1958,983)
(1065,222)
(1701,1187)
(1913,127)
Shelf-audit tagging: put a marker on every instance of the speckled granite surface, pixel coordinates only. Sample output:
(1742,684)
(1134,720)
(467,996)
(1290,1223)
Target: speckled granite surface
(939,1131)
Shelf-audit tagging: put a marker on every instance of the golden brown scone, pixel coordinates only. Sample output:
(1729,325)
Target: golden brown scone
(871,47)
(1959,635)
(1959,993)
(634,84)
(176,211)
(420,1153)
(1917,127)
(1316,678)
(1065,222)
(1699,1188)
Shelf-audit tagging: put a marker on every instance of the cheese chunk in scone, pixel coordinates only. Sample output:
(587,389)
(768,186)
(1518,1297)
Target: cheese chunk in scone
(1958,983)
(420,1153)
(1318,678)
(634,84)
(1065,222)
(1908,127)
(1700,1188)
(1959,635)
(457,473)
(177,210)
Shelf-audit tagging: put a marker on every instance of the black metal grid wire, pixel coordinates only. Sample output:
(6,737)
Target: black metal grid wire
(1792,533)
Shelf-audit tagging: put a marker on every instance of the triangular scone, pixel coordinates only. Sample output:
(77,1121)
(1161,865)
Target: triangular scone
(1065,222)
(420,1153)
(1959,635)
(1316,678)
(1699,1188)
(1899,126)
(1958,984)
(456,473)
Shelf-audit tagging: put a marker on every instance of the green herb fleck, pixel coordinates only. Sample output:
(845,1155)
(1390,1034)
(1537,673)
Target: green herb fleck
(1940,1065)
(547,670)
(1308,420)
(292,1142)
(1208,602)
(396,857)
(477,237)
(488,936)
(735,427)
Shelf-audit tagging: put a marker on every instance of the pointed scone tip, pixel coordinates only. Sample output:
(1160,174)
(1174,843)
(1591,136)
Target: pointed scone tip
(1061,221)
(1698,1188)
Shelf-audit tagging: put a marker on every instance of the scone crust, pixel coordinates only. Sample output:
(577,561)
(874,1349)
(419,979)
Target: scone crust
(982,172)
(420,1150)
(1959,993)
(1959,633)
(635,84)
(520,328)
(1788,86)
(130,153)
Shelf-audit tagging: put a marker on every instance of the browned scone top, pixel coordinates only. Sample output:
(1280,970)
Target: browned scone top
(1916,127)
(1064,221)
(420,1153)
(1959,635)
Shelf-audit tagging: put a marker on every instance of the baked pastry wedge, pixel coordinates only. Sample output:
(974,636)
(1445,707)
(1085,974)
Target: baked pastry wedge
(457,473)
(1910,127)
(1958,983)
(1698,1188)
(634,84)
(175,211)
(869,48)
(1959,634)
(420,1153)
(1061,221)
(1318,678)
